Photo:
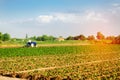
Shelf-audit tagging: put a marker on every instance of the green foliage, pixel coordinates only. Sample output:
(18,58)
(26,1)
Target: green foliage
(51,39)
(33,38)
(6,37)
(14,52)
(45,38)
(70,38)
(86,62)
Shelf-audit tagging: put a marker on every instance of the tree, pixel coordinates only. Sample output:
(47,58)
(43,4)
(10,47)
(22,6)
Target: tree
(100,36)
(110,37)
(6,37)
(70,38)
(51,38)
(45,38)
(33,38)
(80,37)
(117,40)
(39,38)
(91,37)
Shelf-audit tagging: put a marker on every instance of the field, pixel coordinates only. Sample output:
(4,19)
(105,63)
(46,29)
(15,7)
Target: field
(84,62)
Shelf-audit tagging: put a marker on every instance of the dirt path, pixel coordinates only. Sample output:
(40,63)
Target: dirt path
(50,68)
(8,78)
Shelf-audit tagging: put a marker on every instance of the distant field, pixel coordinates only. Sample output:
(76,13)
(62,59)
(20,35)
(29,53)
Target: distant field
(9,44)
(75,62)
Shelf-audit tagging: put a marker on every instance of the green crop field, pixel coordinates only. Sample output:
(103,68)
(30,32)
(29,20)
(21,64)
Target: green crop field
(84,62)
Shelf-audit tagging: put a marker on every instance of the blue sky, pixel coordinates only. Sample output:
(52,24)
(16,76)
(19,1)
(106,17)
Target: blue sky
(59,17)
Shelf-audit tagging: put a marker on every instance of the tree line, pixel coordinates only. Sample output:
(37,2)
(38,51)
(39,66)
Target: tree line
(99,37)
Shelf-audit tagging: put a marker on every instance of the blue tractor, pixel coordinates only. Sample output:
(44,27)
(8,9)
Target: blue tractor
(31,44)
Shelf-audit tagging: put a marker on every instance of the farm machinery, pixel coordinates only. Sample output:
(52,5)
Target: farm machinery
(31,44)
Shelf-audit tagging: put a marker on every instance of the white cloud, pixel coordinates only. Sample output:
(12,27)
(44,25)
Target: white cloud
(71,17)
(45,18)
(62,17)
(95,16)
(67,17)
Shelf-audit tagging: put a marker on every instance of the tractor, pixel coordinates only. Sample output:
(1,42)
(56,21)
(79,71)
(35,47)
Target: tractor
(31,44)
